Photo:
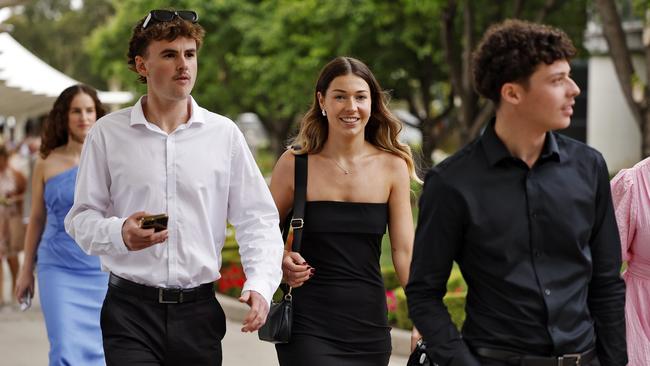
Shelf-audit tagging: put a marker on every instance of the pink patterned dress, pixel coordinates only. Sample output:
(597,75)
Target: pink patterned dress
(631,194)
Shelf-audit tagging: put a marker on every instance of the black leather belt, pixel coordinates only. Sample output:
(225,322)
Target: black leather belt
(572,359)
(160,294)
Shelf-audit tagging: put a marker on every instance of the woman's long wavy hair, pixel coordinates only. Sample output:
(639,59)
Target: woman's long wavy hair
(55,129)
(382,128)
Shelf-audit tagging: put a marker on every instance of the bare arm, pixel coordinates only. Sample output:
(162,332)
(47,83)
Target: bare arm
(400,227)
(21,186)
(400,223)
(295,270)
(282,184)
(35,227)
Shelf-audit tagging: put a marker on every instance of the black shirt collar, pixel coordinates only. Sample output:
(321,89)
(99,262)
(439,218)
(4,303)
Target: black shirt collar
(496,150)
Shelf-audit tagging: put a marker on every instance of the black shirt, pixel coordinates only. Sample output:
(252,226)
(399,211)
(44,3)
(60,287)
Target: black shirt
(539,249)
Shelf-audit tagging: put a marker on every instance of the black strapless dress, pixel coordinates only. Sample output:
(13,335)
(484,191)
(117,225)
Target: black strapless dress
(340,313)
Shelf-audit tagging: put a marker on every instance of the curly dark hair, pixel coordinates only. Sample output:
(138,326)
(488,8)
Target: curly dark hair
(55,128)
(157,31)
(512,50)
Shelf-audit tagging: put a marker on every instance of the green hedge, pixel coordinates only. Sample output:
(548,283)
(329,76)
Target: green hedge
(455,303)
(454,300)
(390,277)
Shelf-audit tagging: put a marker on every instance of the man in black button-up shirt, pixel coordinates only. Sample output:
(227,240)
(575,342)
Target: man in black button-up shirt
(527,215)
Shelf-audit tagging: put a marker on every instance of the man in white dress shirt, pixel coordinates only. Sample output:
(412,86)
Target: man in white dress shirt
(166,154)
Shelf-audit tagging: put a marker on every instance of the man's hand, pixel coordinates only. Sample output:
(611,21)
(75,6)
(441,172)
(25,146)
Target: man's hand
(136,238)
(295,270)
(256,316)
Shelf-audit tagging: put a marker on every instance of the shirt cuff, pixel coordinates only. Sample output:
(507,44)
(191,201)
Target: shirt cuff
(115,234)
(261,287)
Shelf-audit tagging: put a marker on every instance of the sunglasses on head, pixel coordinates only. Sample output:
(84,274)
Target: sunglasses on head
(169,15)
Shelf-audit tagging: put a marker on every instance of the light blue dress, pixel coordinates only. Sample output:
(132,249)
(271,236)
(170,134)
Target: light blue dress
(71,285)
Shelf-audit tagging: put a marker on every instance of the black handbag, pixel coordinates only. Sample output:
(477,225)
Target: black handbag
(277,328)
(419,356)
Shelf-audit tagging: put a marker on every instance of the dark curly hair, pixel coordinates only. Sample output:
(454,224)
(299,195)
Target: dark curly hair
(512,50)
(55,129)
(157,31)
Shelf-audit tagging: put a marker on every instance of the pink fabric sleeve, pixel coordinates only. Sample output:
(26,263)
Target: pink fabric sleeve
(625,207)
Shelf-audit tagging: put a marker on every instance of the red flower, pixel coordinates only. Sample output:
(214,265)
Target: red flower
(232,279)
(391,300)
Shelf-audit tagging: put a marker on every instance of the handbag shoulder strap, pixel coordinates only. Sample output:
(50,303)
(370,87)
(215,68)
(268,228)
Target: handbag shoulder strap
(299,200)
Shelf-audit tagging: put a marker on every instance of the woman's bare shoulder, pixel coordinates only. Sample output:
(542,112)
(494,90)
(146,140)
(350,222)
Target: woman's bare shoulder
(55,163)
(286,161)
(392,161)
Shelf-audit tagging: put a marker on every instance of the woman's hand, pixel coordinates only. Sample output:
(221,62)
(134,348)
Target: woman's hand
(415,337)
(24,283)
(295,270)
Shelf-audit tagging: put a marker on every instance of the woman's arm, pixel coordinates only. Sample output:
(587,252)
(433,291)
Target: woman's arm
(282,184)
(295,270)
(400,222)
(400,227)
(35,227)
(18,195)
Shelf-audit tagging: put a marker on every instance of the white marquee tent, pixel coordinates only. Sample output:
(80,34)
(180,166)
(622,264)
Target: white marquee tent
(29,86)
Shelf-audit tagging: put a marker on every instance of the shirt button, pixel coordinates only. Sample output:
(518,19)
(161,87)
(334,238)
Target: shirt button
(533,214)
(547,292)
(537,253)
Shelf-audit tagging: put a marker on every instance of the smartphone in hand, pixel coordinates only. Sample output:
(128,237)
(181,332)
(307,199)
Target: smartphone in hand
(155,222)
(26,301)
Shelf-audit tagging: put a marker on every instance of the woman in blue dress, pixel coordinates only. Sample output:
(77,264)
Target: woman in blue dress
(71,285)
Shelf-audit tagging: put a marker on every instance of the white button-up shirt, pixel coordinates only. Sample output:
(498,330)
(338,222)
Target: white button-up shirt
(202,175)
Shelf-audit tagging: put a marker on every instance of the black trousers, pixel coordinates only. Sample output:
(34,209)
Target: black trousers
(139,332)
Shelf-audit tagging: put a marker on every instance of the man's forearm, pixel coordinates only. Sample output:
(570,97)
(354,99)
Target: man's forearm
(95,234)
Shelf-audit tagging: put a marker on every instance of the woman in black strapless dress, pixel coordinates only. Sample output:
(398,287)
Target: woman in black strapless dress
(358,184)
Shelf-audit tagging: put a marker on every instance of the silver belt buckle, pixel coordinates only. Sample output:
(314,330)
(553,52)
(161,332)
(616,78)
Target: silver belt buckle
(576,356)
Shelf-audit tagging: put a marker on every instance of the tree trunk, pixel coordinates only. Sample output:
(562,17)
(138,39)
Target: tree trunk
(448,42)
(469,98)
(645,134)
(615,37)
(483,117)
(548,7)
(429,143)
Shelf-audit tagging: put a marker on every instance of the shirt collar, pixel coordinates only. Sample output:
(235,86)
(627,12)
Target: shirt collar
(496,150)
(138,118)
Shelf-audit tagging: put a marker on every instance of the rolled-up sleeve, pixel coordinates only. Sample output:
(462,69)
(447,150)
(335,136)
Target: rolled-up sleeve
(87,221)
(252,212)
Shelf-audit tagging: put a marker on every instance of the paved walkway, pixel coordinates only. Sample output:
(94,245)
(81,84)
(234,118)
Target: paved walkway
(23,341)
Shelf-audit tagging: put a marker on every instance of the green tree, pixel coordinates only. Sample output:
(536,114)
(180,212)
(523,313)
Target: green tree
(284,45)
(401,42)
(462,26)
(264,56)
(261,57)
(56,33)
